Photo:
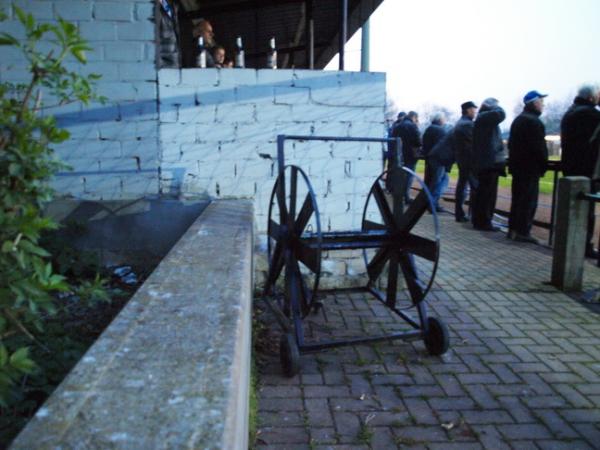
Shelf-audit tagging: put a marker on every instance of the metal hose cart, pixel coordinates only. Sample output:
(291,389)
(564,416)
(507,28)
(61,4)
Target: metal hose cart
(393,252)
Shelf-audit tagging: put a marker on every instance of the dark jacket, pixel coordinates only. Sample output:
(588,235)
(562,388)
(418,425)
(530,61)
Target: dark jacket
(411,140)
(487,141)
(442,153)
(463,141)
(393,133)
(576,129)
(168,37)
(432,135)
(527,151)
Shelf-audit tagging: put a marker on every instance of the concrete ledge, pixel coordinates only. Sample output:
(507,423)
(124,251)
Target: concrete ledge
(172,370)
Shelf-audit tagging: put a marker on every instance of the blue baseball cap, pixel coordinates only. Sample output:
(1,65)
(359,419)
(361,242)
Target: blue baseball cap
(532,96)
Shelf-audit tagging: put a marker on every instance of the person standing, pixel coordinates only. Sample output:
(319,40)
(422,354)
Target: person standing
(408,131)
(203,28)
(488,162)
(579,156)
(528,157)
(463,154)
(434,171)
(169,54)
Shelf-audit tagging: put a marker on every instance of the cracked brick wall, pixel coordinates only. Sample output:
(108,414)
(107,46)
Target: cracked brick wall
(205,132)
(113,150)
(218,132)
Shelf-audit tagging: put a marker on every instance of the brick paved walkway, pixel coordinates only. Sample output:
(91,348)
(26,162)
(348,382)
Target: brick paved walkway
(523,370)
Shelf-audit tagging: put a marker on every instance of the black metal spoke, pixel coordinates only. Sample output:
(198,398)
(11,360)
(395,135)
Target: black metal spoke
(293,193)
(413,213)
(420,246)
(303,292)
(277,260)
(382,204)
(370,225)
(304,215)
(376,264)
(281,199)
(308,256)
(274,230)
(297,287)
(413,283)
(392,280)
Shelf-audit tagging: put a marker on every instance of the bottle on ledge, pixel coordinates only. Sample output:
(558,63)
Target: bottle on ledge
(272,55)
(239,53)
(201,60)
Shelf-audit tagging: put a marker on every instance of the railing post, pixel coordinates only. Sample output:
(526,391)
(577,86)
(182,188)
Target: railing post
(570,233)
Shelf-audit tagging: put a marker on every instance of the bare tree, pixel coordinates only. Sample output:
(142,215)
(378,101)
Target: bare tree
(553,114)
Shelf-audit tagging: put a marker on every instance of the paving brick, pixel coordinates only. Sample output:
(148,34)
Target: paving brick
(422,413)
(326,391)
(520,373)
(574,398)
(481,396)
(280,391)
(318,412)
(281,435)
(589,431)
(490,438)
(453,403)
(526,431)
(556,424)
(581,415)
(347,426)
(563,445)
(419,435)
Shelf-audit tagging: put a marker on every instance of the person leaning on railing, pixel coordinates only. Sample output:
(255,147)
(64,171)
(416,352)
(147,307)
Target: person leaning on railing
(579,155)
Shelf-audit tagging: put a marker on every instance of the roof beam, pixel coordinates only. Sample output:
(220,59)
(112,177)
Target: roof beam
(216,9)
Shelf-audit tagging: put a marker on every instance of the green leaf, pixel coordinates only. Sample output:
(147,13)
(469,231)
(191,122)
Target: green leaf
(3,355)
(20,360)
(7,39)
(32,248)
(80,55)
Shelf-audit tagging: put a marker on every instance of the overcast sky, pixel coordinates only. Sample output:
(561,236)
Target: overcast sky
(447,52)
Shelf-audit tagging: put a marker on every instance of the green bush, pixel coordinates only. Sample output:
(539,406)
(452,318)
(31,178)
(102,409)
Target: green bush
(28,282)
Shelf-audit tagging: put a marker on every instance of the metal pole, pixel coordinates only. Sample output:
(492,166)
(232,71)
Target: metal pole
(343,30)
(365,53)
(310,35)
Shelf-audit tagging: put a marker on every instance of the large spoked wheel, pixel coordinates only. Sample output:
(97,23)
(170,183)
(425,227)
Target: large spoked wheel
(289,355)
(414,247)
(437,338)
(294,242)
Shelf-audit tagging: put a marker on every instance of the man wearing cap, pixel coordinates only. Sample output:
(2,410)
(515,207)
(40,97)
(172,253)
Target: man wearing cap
(579,155)
(463,153)
(488,162)
(528,157)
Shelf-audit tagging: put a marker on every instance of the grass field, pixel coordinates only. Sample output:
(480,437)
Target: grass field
(546,183)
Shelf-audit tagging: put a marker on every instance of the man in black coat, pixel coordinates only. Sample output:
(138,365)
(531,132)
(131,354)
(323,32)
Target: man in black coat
(408,131)
(434,171)
(579,155)
(528,157)
(463,154)
(488,162)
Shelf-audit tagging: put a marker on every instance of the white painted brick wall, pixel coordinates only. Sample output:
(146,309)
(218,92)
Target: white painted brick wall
(204,131)
(113,148)
(220,138)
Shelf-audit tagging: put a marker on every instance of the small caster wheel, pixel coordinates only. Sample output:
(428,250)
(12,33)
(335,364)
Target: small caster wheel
(437,339)
(289,355)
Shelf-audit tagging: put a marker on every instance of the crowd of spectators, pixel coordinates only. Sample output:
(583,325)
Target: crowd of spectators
(475,144)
